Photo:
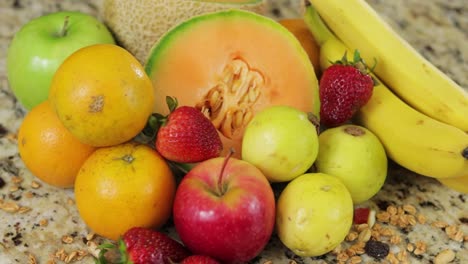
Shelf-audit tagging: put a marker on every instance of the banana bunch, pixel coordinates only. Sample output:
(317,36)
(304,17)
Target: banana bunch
(422,137)
(399,65)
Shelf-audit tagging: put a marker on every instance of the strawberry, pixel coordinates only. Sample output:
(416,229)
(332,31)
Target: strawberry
(146,246)
(344,88)
(186,135)
(199,259)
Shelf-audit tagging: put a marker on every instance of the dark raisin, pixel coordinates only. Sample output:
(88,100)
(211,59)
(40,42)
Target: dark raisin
(2,182)
(17,4)
(383,205)
(17,239)
(377,249)
(428,204)
(3,130)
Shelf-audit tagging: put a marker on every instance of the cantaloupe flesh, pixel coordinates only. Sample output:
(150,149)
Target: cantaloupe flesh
(138,24)
(190,60)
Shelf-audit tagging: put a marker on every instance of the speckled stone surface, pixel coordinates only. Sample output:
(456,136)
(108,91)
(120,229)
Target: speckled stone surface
(437,28)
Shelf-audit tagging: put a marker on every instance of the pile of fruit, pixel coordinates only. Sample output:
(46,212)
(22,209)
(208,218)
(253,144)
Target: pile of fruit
(198,128)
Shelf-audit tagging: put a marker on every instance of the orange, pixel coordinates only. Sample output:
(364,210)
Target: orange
(102,94)
(124,186)
(48,149)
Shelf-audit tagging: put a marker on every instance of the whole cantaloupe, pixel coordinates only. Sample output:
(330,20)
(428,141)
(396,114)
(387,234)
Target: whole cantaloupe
(230,65)
(137,25)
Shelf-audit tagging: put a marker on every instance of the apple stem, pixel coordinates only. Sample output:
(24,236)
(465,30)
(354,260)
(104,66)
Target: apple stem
(221,174)
(63,32)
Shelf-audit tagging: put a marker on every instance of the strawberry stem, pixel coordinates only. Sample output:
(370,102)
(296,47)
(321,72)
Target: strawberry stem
(221,186)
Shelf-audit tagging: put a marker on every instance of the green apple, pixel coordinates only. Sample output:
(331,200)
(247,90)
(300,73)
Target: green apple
(281,141)
(356,156)
(314,214)
(42,44)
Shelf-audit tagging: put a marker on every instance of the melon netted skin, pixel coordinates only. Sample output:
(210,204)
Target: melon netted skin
(230,65)
(137,25)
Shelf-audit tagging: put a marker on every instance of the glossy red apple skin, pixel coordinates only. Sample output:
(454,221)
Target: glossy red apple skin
(233,227)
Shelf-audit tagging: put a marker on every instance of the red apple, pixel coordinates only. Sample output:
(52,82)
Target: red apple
(225,208)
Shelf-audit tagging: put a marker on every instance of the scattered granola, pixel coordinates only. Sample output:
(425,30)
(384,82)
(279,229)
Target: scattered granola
(10,207)
(35,185)
(16,179)
(439,224)
(43,222)
(31,259)
(445,256)
(69,257)
(67,239)
(29,194)
(392,258)
(420,248)
(70,201)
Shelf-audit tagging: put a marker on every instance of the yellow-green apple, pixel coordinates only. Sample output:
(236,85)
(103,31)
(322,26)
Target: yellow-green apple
(225,208)
(42,44)
(281,141)
(314,214)
(356,156)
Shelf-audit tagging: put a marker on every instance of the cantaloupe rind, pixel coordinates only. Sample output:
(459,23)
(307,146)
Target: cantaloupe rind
(137,25)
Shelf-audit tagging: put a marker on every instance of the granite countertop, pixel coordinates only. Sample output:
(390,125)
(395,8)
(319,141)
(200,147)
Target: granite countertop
(421,220)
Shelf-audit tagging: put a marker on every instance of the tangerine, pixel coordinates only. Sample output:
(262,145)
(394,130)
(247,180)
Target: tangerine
(48,149)
(102,94)
(124,186)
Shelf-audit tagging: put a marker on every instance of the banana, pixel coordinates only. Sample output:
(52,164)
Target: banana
(413,140)
(413,78)
(459,184)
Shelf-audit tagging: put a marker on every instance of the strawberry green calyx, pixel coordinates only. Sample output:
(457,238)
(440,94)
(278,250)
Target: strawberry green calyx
(140,245)
(124,258)
(156,120)
(358,63)
(172,103)
(322,34)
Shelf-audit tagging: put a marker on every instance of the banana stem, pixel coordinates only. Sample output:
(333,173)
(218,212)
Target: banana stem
(316,25)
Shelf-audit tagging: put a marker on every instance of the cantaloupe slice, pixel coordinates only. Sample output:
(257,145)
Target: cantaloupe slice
(138,24)
(231,64)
